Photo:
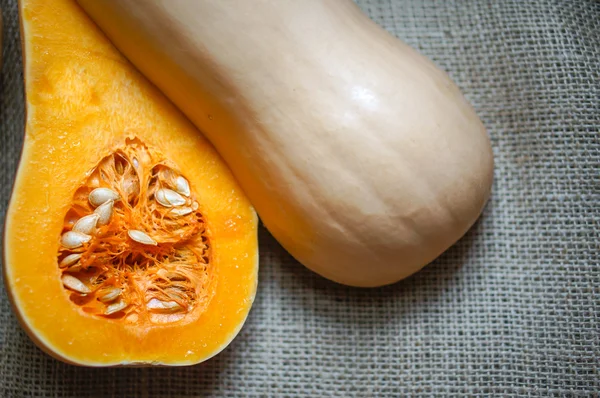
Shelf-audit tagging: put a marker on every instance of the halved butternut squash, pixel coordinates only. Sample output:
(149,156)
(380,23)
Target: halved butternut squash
(127,241)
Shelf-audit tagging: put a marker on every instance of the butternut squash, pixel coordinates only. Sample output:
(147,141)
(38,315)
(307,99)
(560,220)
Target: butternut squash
(361,157)
(127,240)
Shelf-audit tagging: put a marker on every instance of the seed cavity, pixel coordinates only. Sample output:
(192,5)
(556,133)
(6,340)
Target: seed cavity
(133,247)
(182,186)
(104,212)
(69,260)
(73,239)
(75,284)
(101,195)
(141,237)
(87,224)
(169,198)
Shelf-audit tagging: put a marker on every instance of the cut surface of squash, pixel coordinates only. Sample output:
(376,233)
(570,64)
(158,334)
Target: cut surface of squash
(127,240)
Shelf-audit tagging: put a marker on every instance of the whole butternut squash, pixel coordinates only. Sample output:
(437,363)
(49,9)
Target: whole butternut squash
(127,240)
(361,157)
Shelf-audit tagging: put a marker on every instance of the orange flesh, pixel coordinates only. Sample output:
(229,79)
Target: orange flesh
(87,105)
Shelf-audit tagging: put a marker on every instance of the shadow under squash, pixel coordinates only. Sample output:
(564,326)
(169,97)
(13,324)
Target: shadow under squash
(347,305)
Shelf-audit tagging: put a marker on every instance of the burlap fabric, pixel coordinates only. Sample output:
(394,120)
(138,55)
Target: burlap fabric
(513,309)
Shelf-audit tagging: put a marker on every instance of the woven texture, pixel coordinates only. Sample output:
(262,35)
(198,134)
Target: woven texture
(513,309)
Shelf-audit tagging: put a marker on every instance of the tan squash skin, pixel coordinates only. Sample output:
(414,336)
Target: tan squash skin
(361,157)
(83,100)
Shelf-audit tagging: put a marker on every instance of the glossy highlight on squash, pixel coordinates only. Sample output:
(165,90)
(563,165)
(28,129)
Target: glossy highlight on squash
(127,240)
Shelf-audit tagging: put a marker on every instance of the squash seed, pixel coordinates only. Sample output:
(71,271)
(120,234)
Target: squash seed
(173,276)
(181,211)
(73,239)
(75,268)
(119,166)
(157,305)
(104,212)
(169,198)
(101,195)
(182,186)
(86,224)
(116,307)
(70,260)
(176,294)
(141,237)
(109,294)
(195,206)
(176,276)
(74,284)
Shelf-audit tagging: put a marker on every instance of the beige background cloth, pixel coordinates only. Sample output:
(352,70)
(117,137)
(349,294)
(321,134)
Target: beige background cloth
(513,309)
